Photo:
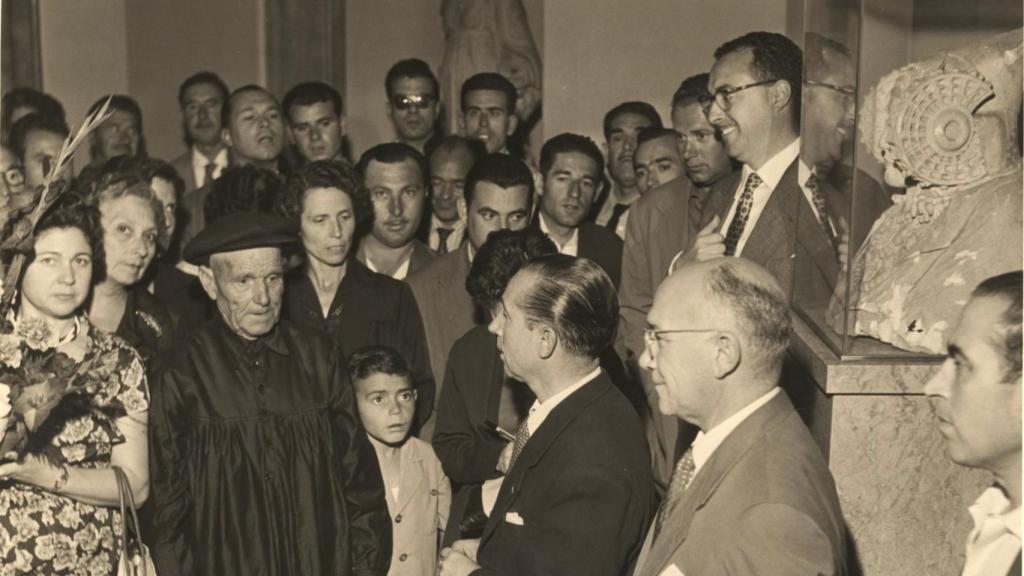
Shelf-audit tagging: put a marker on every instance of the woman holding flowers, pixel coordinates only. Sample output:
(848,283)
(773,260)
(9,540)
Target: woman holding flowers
(80,404)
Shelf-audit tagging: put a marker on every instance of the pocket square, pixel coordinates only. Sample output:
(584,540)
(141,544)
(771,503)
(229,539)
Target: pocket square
(672,570)
(514,518)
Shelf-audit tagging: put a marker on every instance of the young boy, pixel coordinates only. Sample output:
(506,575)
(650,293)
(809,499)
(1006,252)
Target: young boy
(418,492)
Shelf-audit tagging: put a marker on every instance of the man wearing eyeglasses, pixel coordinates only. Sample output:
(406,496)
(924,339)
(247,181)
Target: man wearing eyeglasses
(753,494)
(754,103)
(413,104)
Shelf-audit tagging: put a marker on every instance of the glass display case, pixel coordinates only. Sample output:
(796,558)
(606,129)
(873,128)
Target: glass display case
(910,162)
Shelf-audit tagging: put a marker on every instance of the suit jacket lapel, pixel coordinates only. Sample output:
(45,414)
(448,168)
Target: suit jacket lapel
(733,449)
(553,426)
(773,230)
(720,200)
(413,475)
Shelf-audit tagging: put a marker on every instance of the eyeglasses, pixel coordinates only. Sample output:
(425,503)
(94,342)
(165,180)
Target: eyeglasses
(844,90)
(652,337)
(416,101)
(723,96)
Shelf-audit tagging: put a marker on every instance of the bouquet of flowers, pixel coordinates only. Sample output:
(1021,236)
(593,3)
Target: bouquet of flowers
(40,388)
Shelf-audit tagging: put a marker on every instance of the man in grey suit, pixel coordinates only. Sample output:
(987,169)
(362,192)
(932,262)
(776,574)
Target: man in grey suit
(498,195)
(753,494)
(201,97)
(662,224)
(754,102)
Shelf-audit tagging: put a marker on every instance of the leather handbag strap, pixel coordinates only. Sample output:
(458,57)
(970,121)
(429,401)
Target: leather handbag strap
(129,514)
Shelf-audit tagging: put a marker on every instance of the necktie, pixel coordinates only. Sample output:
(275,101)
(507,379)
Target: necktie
(522,435)
(617,213)
(208,173)
(739,219)
(818,197)
(442,239)
(681,477)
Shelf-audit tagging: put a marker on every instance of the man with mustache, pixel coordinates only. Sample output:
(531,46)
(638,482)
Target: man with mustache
(662,223)
(621,126)
(201,98)
(316,121)
(572,168)
(253,131)
(976,399)
(394,175)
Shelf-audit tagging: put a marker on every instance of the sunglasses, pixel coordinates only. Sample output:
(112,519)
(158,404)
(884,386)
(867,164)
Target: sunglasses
(416,101)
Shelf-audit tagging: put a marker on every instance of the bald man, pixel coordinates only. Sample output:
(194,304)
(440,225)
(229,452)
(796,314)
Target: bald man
(753,494)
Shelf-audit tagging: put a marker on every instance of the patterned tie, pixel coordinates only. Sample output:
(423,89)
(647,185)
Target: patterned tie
(617,213)
(442,239)
(681,477)
(208,173)
(522,435)
(739,219)
(818,197)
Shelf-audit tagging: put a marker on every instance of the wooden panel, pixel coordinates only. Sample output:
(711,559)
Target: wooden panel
(19,47)
(305,41)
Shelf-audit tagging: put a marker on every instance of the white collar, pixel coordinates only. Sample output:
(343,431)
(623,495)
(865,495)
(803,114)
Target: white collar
(199,161)
(706,444)
(775,167)
(435,223)
(400,273)
(571,246)
(539,411)
(994,503)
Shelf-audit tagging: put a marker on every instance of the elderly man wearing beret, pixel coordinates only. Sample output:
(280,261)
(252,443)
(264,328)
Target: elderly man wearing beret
(258,463)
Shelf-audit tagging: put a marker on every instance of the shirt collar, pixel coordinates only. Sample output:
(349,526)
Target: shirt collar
(706,443)
(803,173)
(199,161)
(571,246)
(774,168)
(435,223)
(994,503)
(540,410)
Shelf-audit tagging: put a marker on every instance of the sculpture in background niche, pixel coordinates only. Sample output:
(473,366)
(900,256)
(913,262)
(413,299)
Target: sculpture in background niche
(946,129)
(489,36)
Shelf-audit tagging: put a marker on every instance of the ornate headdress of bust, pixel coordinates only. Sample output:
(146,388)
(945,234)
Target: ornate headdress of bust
(950,120)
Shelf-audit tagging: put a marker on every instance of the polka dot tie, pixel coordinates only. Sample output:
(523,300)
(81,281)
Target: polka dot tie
(681,477)
(739,219)
(522,435)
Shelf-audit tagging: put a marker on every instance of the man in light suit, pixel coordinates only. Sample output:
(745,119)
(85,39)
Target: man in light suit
(498,196)
(753,494)
(578,489)
(571,166)
(661,224)
(754,102)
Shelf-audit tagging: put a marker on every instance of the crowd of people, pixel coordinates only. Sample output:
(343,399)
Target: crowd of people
(442,358)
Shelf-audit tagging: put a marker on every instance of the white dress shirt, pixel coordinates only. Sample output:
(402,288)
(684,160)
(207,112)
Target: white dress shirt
(458,229)
(770,175)
(400,273)
(994,543)
(199,163)
(704,445)
(571,246)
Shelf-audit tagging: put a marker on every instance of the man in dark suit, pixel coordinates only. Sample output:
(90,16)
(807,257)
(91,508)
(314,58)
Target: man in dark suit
(660,225)
(200,98)
(754,102)
(395,175)
(753,494)
(498,196)
(571,166)
(976,399)
(577,490)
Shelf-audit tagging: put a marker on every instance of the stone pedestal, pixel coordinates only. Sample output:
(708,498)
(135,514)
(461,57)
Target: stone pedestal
(905,503)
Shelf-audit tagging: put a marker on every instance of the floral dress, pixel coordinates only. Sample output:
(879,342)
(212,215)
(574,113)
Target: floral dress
(46,533)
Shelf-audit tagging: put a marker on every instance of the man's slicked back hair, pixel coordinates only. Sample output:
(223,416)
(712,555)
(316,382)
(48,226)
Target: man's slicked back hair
(1007,288)
(489,81)
(309,93)
(410,68)
(204,77)
(653,133)
(634,107)
(565,143)
(576,299)
(35,121)
(691,90)
(775,57)
(225,110)
(502,170)
(392,153)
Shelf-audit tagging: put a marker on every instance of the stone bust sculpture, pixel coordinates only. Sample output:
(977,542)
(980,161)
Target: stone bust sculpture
(946,129)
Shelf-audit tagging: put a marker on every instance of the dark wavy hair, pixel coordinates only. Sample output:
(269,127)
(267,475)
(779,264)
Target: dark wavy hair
(565,143)
(120,176)
(502,170)
(1007,288)
(410,68)
(325,174)
(691,90)
(243,189)
(634,107)
(309,93)
(489,81)
(775,57)
(377,359)
(35,121)
(498,260)
(69,211)
(40,102)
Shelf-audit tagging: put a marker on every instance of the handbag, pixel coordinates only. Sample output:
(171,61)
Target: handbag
(137,561)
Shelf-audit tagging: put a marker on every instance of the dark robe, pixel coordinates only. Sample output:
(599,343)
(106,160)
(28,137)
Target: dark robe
(258,462)
(368,308)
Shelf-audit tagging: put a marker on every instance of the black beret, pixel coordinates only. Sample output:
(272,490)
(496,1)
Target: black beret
(238,232)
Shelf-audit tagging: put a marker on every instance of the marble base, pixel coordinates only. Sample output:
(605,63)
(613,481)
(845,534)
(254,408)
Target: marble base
(904,502)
